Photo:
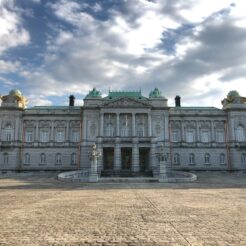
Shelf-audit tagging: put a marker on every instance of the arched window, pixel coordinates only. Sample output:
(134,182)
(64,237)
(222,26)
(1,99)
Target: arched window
(73,158)
(191,159)
(109,130)
(58,159)
(240,133)
(140,130)
(42,158)
(5,158)
(243,158)
(8,133)
(204,136)
(222,158)
(176,159)
(207,158)
(27,159)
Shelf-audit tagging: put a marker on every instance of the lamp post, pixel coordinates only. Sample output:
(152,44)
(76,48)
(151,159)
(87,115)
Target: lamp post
(93,156)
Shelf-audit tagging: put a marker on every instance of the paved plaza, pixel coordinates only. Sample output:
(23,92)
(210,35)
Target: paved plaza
(40,210)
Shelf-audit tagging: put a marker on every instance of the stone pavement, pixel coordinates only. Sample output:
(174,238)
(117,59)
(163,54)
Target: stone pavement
(40,210)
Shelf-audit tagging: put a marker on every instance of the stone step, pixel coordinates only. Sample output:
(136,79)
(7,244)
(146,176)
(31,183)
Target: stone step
(127,180)
(125,173)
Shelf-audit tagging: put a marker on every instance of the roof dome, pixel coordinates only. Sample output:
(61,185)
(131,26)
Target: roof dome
(233,94)
(15,92)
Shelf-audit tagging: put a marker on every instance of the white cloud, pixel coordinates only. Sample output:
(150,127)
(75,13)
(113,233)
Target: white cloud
(12,33)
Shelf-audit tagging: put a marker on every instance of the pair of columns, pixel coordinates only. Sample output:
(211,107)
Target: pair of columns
(118,124)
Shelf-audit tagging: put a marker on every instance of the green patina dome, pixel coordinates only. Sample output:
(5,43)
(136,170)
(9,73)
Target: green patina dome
(155,94)
(15,92)
(94,93)
(233,94)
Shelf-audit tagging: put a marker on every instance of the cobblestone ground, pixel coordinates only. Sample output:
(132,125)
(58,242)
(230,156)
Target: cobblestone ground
(40,210)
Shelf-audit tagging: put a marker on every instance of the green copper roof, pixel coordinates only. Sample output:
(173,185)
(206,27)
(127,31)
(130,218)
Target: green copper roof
(94,93)
(115,94)
(155,94)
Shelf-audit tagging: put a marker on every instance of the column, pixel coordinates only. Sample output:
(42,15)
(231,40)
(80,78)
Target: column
(133,125)
(182,131)
(84,128)
(100,158)
(135,157)
(17,127)
(101,124)
(166,127)
(212,132)
(52,132)
(117,155)
(37,130)
(117,124)
(197,132)
(152,155)
(67,131)
(149,124)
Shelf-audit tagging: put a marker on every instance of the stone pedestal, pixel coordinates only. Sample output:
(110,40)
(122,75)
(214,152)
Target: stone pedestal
(93,173)
(163,172)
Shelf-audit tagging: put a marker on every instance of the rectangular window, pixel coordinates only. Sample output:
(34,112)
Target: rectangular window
(75,136)
(60,136)
(5,158)
(189,136)
(205,136)
(175,136)
(29,136)
(44,136)
(220,137)
(8,135)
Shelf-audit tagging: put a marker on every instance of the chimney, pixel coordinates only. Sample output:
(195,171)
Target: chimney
(177,101)
(71,100)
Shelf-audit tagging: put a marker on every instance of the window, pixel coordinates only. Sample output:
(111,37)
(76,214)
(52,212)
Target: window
(5,158)
(205,136)
(42,158)
(243,158)
(73,159)
(175,136)
(240,135)
(58,159)
(75,136)
(207,158)
(8,133)
(176,159)
(60,136)
(220,137)
(27,159)
(109,130)
(28,136)
(222,158)
(125,131)
(44,136)
(191,159)
(189,136)
(140,130)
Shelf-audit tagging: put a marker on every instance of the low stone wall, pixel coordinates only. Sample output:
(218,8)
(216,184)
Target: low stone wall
(179,177)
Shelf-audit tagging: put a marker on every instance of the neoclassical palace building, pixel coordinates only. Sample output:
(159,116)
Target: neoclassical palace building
(128,129)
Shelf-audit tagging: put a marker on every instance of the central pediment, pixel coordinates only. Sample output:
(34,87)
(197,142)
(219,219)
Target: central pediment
(126,102)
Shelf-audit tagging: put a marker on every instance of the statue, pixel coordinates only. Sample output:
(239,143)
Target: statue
(93,156)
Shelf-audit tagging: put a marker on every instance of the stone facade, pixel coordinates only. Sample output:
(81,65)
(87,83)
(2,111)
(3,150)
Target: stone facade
(128,130)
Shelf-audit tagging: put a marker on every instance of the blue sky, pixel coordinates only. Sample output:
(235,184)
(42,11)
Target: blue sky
(193,48)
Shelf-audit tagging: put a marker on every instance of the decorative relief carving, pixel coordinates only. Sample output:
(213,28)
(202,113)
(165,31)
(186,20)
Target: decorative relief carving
(205,124)
(175,124)
(29,124)
(190,124)
(45,123)
(123,102)
(74,124)
(60,124)
(219,124)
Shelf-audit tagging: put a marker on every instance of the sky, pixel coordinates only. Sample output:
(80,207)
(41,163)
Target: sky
(192,48)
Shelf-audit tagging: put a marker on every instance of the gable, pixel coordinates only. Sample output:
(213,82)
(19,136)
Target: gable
(126,102)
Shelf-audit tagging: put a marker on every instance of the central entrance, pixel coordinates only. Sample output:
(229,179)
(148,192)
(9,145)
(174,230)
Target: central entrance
(126,158)
(108,158)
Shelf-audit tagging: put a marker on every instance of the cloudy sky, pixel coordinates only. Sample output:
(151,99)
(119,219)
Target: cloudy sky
(193,48)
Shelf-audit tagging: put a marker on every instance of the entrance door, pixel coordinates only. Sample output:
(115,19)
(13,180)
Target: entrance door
(126,158)
(108,158)
(144,159)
